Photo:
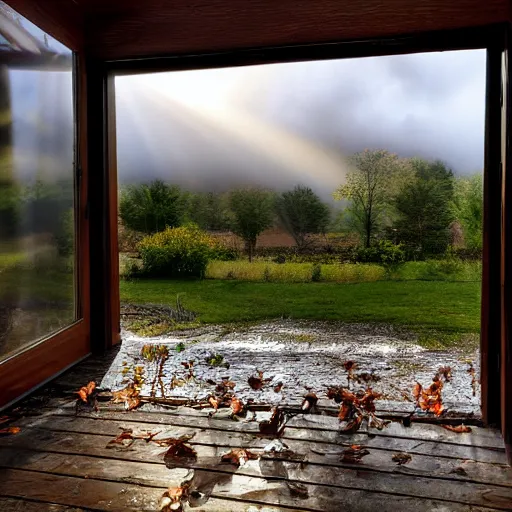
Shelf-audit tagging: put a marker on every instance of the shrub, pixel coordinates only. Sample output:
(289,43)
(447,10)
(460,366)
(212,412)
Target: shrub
(384,252)
(177,252)
(316,272)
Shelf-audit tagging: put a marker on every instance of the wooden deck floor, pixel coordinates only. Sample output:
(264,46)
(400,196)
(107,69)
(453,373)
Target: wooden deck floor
(60,461)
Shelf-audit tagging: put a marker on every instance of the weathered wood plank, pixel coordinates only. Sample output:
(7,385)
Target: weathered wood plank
(479,437)
(378,460)
(482,454)
(209,458)
(21,505)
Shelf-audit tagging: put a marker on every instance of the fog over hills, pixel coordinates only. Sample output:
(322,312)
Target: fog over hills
(277,125)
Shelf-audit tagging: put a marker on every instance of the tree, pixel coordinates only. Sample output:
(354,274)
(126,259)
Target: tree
(152,208)
(209,211)
(302,213)
(424,208)
(370,187)
(252,212)
(468,208)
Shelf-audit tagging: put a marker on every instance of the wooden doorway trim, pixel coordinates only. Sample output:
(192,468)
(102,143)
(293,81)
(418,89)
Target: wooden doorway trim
(490,37)
(105,306)
(505,355)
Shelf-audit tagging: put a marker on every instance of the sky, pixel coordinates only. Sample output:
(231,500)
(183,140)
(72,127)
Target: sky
(281,124)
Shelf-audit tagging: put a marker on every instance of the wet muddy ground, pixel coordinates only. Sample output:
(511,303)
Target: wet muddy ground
(295,358)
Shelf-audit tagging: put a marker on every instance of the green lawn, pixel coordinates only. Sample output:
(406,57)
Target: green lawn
(450,308)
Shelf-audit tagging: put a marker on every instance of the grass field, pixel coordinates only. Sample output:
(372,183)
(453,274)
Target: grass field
(443,310)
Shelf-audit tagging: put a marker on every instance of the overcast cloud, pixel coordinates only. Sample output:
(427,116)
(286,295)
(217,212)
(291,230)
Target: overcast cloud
(278,125)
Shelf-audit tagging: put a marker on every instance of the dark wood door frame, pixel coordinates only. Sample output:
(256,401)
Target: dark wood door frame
(495,337)
(102,208)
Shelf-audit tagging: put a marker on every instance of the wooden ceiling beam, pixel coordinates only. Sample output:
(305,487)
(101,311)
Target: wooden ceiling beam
(159,27)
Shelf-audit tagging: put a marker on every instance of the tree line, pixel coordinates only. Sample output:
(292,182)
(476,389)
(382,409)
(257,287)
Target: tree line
(412,201)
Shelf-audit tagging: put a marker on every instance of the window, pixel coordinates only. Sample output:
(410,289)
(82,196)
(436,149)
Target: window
(37,188)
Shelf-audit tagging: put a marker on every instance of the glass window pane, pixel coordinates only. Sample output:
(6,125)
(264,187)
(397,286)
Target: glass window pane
(37,190)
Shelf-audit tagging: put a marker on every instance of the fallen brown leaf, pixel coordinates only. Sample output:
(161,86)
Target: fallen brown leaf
(129,396)
(126,438)
(309,403)
(350,366)
(238,456)
(10,431)
(401,458)
(429,399)
(446,372)
(178,449)
(86,391)
(353,425)
(237,406)
(354,454)
(256,383)
(171,500)
(345,411)
(460,429)
(214,402)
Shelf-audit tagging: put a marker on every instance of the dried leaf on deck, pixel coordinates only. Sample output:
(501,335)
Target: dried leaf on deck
(126,438)
(354,454)
(401,458)
(309,403)
(416,391)
(129,396)
(275,425)
(459,429)
(225,386)
(214,402)
(446,372)
(256,383)
(179,449)
(171,500)
(429,399)
(8,431)
(339,393)
(377,423)
(237,406)
(345,412)
(353,425)
(169,441)
(86,391)
(238,456)
(350,366)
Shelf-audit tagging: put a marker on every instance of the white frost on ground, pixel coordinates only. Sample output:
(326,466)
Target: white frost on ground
(303,356)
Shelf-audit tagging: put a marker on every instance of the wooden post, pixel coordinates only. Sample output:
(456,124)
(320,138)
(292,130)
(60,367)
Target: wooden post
(102,209)
(506,256)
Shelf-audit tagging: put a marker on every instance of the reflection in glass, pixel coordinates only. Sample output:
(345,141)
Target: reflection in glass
(37,239)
